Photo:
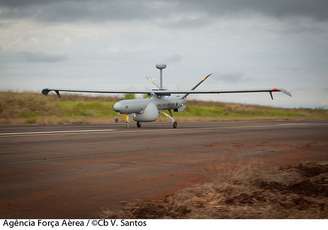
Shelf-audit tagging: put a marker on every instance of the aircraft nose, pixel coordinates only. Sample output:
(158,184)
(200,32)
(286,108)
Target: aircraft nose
(117,107)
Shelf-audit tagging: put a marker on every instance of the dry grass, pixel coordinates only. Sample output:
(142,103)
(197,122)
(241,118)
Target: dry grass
(34,108)
(250,191)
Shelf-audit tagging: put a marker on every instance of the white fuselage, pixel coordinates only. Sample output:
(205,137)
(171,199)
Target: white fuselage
(148,109)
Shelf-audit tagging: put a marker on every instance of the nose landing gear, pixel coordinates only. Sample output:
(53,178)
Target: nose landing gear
(138,124)
(127,121)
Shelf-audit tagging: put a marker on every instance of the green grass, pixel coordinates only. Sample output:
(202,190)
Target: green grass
(239,111)
(86,108)
(34,108)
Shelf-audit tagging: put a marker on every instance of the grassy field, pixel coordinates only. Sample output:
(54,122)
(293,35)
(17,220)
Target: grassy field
(34,108)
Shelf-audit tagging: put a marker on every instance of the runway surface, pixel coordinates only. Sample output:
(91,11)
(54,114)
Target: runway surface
(80,170)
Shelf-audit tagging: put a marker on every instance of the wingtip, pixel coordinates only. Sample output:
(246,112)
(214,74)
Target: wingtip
(285,92)
(207,76)
(45,91)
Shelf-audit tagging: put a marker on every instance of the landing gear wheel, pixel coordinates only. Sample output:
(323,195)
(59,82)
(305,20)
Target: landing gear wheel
(175,125)
(138,124)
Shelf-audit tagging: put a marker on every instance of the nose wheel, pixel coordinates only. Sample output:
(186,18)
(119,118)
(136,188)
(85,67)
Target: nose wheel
(175,125)
(138,124)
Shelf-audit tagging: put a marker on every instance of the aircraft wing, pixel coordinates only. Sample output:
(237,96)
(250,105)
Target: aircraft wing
(57,91)
(270,91)
(167,92)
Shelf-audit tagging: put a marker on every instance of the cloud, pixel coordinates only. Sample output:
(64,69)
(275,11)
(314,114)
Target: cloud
(32,57)
(230,77)
(282,8)
(74,10)
(175,58)
(248,43)
(103,10)
(3,25)
(186,21)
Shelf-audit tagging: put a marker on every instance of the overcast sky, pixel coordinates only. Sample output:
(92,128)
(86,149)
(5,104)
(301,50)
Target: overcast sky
(105,44)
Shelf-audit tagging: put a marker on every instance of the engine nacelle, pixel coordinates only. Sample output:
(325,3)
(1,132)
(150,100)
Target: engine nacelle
(150,113)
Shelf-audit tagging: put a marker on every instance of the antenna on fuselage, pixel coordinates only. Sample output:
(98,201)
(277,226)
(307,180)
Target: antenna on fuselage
(161,67)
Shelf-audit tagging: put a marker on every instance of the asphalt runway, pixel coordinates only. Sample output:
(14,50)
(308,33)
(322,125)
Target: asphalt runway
(79,170)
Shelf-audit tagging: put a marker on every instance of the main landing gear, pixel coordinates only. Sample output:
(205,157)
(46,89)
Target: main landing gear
(170,116)
(127,121)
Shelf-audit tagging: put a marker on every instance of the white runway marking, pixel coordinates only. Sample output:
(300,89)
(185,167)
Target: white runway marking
(274,125)
(55,132)
(169,130)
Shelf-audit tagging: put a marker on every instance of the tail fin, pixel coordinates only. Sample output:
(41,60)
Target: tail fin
(198,84)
